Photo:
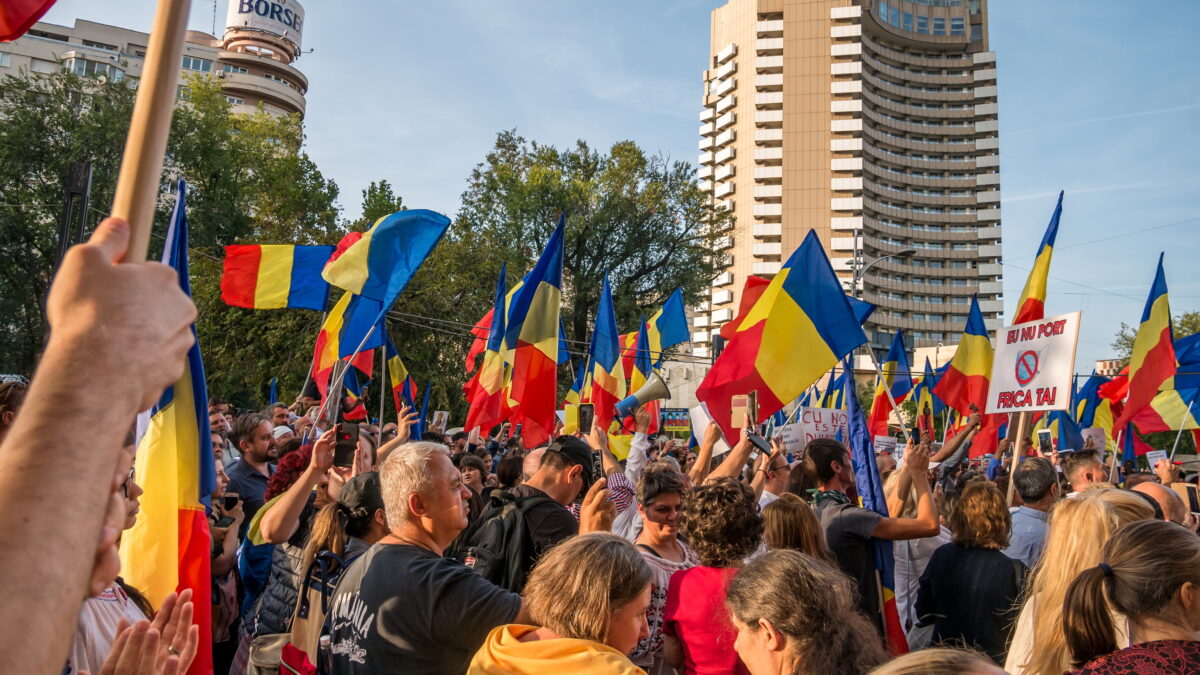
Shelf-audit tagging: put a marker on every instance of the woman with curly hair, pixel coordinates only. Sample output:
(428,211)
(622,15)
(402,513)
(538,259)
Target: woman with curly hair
(796,615)
(723,527)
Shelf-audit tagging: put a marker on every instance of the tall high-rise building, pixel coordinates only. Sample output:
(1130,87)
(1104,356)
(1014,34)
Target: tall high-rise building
(873,122)
(253,59)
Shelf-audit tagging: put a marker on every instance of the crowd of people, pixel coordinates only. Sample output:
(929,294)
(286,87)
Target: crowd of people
(469,553)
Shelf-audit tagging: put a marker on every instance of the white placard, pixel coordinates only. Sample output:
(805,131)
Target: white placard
(700,421)
(1096,434)
(1155,456)
(885,444)
(811,424)
(1032,367)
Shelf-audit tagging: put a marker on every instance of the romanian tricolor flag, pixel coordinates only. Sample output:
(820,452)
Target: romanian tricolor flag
(275,277)
(480,330)
(574,394)
(1063,429)
(1032,305)
(168,549)
(18,16)
(404,390)
(1086,401)
(1171,410)
(352,390)
(642,367)
(608,381)
(928,405)
(894,383)
(381,262)
(833,397)
(800,326)
(532,340)
(966,379)
(628,342)
(1152,362)
(486,399)
(752,290)
(667,328)
(328,347)
(870,491)
(1187,355)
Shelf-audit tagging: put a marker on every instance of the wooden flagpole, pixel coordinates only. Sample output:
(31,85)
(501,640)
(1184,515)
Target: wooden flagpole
(145,146)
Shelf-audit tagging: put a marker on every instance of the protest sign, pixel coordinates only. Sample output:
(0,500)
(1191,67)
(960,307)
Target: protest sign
(812,423)
(1156,456)
(1031,369)
(885,444)
(440,419)
(675,423)
(1096,436)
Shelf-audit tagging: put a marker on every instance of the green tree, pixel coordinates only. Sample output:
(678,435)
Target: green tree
(640,219)
(1183,325)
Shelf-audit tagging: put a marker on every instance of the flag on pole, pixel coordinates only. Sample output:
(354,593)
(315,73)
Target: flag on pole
(968,374)
(608,381)
(1187,355)
(1032,304)
(575,393)
(1152,363)
(752,290)
(486,398)
(666,328)
(1171,410)
(532,343)
(381,262)
(168,549)
(352,390)
(480,330)
(1086,400)
(274,390)
(642,367)
(18,16)
(404,390)
(870,491)
(833,397)
(327,351)
(895,380)
(801,325)
(423,421)
(275,277)
(928,405)
(628,345)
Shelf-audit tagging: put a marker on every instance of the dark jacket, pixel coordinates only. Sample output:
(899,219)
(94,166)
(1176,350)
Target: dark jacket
(277,604)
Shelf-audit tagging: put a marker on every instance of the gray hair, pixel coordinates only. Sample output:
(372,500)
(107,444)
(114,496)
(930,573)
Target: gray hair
(406,472)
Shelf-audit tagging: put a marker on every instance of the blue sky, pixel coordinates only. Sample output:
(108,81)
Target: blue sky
(1098,99)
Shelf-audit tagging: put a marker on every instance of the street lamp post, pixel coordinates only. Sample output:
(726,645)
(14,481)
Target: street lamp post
(859,272)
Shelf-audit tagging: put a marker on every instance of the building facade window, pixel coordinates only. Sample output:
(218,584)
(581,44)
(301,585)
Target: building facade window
(235,100)
(923,24)
(229,68)
(908,21)
(86,68)
(197,64)
(939,26)
(5,59)
(976,32)
(958,27)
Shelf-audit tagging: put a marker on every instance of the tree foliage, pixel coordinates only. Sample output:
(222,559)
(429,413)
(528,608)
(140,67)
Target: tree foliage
(640,219)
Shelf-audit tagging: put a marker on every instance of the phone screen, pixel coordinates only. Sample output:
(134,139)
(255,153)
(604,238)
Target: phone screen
(587,415)
(347,443)
(739,410)
(753,408)
(231,501)
(1193,499)
(1044,439)
(915,434)
(225,522)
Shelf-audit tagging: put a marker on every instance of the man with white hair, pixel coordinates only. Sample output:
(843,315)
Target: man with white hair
(533,461)
(402,607)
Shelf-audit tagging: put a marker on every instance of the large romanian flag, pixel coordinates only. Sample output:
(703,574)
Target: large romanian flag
(608,378)
(168,549)
(1032,305)
(532,340)
(275,277)
(800,326)
(870,491)
(381,262)
(1152,362)
(894,384)
(486,395)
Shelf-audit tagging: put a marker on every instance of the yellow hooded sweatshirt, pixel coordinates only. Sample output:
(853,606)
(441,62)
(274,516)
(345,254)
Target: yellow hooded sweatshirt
(503,652)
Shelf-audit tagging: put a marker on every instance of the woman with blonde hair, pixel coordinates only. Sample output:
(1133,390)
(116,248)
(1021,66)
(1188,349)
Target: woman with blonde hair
(940,661)
(588,597)
(790,523)
(1079,528)
(1150,573)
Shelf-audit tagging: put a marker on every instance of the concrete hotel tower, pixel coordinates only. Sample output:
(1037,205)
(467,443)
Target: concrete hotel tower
(874,123)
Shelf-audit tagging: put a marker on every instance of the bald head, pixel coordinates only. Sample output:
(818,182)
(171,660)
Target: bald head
(533,461)
(1172,505)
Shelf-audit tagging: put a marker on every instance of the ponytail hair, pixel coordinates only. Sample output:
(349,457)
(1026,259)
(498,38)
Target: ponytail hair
(328,532)
(1142,568)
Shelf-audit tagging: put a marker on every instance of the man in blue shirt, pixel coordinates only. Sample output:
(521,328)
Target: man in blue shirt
(254,437)
(1037,483)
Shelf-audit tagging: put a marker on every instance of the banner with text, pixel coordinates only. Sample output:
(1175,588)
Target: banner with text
(812,423)
(1031,370)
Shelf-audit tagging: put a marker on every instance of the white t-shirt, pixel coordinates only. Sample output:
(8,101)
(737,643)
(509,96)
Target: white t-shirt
(97,628)
(766,498)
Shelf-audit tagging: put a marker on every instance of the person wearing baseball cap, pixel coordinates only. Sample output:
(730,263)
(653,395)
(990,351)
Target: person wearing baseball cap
(566,471)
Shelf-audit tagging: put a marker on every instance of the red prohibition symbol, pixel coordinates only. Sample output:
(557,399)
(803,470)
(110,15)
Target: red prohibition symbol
(1027,367)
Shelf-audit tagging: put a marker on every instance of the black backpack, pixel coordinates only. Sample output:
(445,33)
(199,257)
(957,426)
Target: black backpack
(498,545)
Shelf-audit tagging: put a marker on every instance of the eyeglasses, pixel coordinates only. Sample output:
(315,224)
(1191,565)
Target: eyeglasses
(125,483)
